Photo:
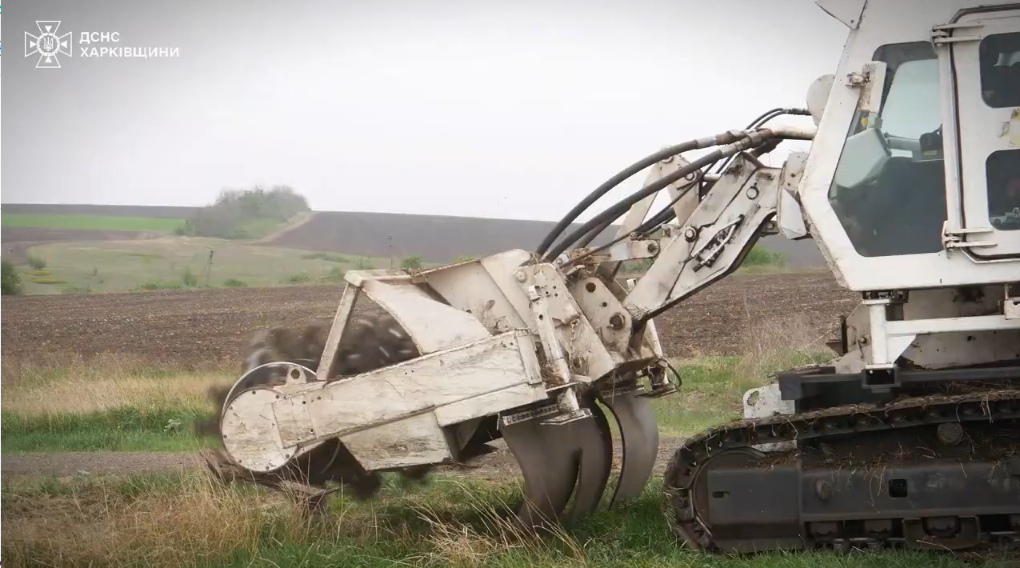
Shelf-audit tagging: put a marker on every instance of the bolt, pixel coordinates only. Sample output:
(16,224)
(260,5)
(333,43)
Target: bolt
(823,489)
(617,321)
(949,433)
(652,247)
(521,276)
(690,234)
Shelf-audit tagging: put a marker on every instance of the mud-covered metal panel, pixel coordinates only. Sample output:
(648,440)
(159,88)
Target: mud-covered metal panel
(415,440)
(432,325)
(587,356)
(470,287)
(408,388)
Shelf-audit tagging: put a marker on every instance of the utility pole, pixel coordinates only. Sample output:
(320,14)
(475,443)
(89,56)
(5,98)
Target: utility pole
(208,267)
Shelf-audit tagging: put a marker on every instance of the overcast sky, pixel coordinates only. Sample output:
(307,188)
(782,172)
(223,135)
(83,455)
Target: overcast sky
(512,109)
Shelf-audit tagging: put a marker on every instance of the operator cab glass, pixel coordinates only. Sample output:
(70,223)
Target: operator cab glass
(1000,70)
(1000,88)
(889,190)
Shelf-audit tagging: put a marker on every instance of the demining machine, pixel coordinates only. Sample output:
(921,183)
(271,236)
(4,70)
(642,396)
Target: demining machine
(908,437)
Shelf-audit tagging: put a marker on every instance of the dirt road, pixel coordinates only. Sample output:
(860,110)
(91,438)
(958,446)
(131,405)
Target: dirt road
(498,462)
(201,327)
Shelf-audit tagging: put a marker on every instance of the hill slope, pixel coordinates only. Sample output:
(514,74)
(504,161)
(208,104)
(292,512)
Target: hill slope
(442,239)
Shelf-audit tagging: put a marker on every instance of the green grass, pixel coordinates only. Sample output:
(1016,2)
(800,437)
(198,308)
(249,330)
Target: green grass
(124,429)
(171,520)
(326,256)
(759,255)
(112,403)
(711,394)
(162,263)
(91,222)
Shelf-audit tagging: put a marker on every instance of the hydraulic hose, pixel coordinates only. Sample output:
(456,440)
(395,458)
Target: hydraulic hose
(733,142)
(724,138)
(636,167)
(761,120)
(638,230)
(587,239)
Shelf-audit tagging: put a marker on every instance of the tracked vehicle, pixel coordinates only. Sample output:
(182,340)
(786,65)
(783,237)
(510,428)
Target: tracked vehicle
(909,437)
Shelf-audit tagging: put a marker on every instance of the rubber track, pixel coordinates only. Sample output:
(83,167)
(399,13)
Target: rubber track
(830,422)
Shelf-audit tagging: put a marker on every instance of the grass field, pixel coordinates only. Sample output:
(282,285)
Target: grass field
(184,520)
(162,263)
(117,402)
(92,222)
(454,519)
(121,406)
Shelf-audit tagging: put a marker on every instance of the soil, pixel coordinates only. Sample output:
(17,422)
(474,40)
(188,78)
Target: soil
(210,326)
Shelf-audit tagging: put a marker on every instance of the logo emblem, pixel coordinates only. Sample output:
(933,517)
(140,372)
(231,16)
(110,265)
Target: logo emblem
(48,45)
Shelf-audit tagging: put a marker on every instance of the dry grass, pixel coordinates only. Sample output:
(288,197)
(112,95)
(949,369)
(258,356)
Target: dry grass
(72,385)
(778,344)
(187,521)
(108,402)
(487,531)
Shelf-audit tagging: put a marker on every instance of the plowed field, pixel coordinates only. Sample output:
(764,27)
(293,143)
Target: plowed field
(208,326)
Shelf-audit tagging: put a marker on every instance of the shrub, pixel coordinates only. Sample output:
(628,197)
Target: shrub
(336,274)
(47,280)
(157,285)
(638,266)
(759,256)
(364,264)
(36,262)
(412,262)
(188,278)
(10,282)
(39,272)
(235,283)
(299,278)
(238,213)
(325,256)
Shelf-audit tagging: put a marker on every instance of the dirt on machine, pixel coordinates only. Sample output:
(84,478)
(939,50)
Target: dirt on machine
(908,438)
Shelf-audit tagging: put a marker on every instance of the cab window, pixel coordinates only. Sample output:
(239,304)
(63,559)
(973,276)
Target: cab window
(889,188)
(1000,70)
(1003,174)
